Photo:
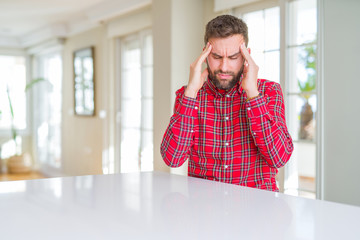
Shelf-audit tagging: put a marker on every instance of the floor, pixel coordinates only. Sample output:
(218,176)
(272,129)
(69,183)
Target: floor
(307,188)
(20,176)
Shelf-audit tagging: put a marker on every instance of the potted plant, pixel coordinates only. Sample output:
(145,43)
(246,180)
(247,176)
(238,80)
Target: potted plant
(20,162)
(307,128)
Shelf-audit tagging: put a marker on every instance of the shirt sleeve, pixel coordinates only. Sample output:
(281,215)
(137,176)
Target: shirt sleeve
(179,135)
(266,117)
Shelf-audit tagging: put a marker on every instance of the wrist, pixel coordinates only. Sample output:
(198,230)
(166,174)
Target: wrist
(252,93)
(190,92)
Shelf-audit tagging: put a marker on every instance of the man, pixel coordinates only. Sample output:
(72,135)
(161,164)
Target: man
(227,122)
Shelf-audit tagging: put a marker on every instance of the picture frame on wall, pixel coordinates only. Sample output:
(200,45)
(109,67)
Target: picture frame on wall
(84,82)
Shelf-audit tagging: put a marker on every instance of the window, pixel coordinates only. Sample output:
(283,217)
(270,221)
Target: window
(13,79)
(264,41)
(47,110)
(12,82)
(136,103)
(299,68)
(301,96)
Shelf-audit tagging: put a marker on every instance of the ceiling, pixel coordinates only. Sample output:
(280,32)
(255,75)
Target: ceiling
(24,23)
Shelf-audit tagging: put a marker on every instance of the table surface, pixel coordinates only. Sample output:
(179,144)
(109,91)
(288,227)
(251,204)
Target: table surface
(156,205)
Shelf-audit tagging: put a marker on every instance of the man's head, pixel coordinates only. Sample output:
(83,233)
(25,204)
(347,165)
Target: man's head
(225,62)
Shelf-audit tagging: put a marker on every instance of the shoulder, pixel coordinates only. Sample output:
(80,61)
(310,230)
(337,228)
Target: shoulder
(267,87)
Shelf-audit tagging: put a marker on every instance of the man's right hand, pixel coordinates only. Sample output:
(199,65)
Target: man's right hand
(196,78)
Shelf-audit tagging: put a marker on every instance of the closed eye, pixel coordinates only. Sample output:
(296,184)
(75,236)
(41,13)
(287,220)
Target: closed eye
(216,56)
(234,56)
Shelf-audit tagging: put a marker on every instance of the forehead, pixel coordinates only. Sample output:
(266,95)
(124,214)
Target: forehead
(227,45)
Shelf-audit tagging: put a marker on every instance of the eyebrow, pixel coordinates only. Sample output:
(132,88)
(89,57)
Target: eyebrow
(231,56)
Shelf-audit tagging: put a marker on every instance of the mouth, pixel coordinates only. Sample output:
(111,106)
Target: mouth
(224,76)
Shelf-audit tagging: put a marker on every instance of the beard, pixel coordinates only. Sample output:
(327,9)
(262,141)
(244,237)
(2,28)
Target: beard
(225,84)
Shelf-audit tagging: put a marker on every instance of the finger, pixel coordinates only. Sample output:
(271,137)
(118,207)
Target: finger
(205,53)
(246,67)
(244,51)
(246,64)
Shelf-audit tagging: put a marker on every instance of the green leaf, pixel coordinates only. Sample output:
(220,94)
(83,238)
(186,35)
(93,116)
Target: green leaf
(10,104)
(309,61)
(33,82)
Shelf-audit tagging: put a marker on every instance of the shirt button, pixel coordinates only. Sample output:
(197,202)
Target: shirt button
(227,144)
(254,133)
(227,95)
(192,131)
(196,108)
(226,118)
(249,109)
(226,166)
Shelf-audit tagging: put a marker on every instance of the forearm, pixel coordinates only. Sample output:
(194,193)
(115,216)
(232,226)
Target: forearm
(178,138)
(269,131)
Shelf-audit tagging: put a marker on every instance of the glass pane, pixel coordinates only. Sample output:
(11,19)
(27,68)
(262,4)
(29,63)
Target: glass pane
(47,113)
(148,50)
(88,100)
(12,77)
(272,66)
(147,151)
(147,114)
(130,150)
(88,68)
(259,58)
(302,69)
(303,22)
(131,113)
(77,66)
(131,83)
(301,117)
(301,170)
(272,28)
(256,26)
(131,57)
(148,82)
(264,35)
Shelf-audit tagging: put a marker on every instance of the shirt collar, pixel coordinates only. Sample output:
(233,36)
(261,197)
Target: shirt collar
(212,89)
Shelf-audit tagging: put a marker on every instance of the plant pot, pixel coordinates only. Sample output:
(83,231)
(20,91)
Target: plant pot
(307,130)
(19,163)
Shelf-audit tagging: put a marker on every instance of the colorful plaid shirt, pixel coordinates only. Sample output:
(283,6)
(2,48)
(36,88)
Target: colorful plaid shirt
(230,138)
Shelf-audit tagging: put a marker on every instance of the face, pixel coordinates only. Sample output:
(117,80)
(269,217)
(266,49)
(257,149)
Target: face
(225,62)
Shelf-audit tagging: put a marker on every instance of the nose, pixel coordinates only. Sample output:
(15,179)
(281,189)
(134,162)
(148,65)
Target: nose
(224,65)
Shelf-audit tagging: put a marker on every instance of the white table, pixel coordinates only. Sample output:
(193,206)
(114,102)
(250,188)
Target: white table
(158,205)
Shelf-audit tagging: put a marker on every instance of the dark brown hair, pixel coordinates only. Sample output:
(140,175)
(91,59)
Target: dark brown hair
(225,26)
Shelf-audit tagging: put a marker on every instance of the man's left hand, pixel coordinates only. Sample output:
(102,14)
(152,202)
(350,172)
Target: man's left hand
(250,73)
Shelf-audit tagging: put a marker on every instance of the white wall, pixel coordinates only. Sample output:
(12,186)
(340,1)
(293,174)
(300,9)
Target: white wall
(341,65)
(82,136)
